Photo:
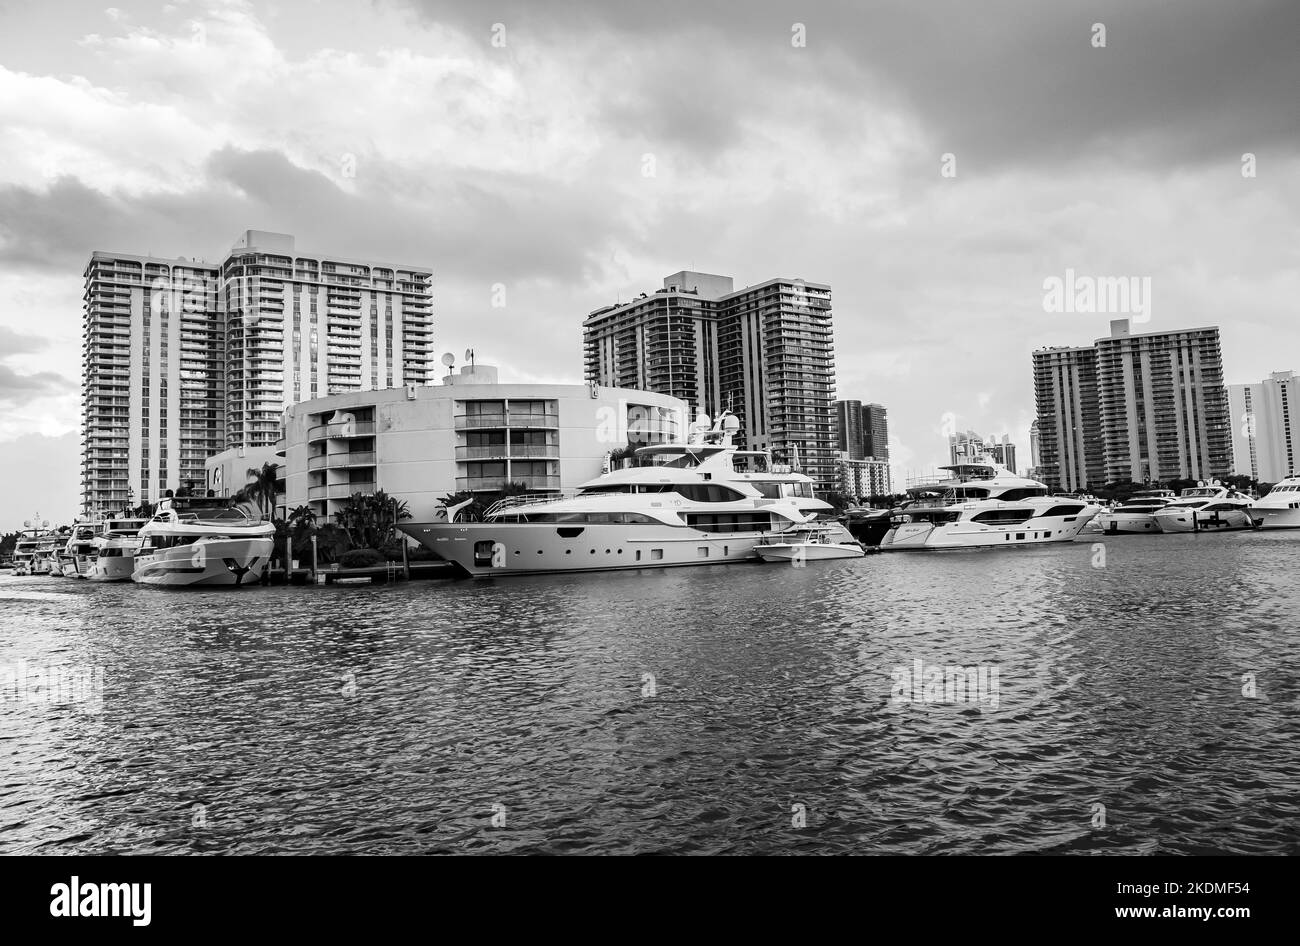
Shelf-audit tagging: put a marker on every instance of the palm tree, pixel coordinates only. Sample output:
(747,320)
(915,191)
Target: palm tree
(261,489)
(302,517)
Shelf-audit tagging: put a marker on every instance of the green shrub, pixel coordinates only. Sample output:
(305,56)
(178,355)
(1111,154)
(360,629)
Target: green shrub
(361,558)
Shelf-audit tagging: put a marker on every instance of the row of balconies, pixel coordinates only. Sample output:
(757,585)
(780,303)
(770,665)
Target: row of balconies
(343,430)
(340,490)
(479,421)
(340,461)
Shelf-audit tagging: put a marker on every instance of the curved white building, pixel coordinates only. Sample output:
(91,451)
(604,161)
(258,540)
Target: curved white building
(421,442)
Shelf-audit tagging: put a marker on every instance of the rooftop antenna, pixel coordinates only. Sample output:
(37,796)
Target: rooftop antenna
(449,359)
(469,356)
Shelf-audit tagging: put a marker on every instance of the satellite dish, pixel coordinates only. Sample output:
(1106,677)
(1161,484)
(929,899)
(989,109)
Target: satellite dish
(731,423)
(449,359)
(469,354)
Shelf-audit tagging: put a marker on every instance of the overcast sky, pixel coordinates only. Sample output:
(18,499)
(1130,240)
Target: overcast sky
(171,127)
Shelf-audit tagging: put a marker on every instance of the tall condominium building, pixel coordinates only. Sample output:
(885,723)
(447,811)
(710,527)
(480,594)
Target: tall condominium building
(849,436)
(764,352)
(1069,444)
(875,430)
(153,377)
(1035,451)
(1265,427)
(300,327)
(1164,409)
(183,358)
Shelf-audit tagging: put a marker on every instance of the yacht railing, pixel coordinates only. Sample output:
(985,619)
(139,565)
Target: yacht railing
(528,499)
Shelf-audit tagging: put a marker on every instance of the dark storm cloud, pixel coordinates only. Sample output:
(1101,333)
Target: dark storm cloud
(998,83)
(18,389)
(489,226)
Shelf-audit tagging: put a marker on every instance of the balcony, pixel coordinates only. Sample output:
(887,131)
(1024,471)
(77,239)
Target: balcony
(501,451)
(339,461)
(473,421)
(341,430)
(339,490)
(488,483)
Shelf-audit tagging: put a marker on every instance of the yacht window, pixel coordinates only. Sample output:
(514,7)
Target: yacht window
(768,490)
(1220,507)
(708,492)
(1017,493)
(1007,516)
(1064,511)
(729,522)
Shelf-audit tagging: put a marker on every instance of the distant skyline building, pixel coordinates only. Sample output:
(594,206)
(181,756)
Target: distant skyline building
(849,438)
(183,358)
(765,352)
(863,478)
(861,430)
(1265,426)
(965,446)
(875,431)
(1035,454)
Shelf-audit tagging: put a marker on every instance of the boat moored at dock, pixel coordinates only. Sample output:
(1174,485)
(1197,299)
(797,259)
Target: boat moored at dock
(807,544)
(1280,509)
(115,548)
(1137,513)
(984,505)
(1206,508)
(202,542)
(697,503)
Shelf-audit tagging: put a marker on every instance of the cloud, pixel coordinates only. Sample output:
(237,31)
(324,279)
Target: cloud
(398,131)
(19,389)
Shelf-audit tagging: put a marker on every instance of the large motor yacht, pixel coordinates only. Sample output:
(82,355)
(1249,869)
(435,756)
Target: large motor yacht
(1280,509)
(698,503)
(202,542)
(1206,508)
(35,549)
(1137,513)
(114,558)
(984,505)
(79,554)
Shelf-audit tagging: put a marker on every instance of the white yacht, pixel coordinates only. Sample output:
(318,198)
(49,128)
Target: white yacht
(807,544)
(698,503)
(79,554)
(984,505)
(115,551)
(1206,508)
(202,542)
(1280,509)
(1137,513)
(33,548)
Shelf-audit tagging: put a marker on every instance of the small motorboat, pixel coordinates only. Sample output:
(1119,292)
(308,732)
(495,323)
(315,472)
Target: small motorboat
(806,544)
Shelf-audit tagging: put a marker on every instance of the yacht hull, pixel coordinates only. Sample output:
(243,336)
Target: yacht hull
(206,562)
(807,552)
(1271,518)
(967,534)
(493,550)
(1113,523)
(1192,520)
(118,568)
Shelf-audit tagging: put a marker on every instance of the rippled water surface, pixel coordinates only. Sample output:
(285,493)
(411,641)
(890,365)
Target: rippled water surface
(721,709)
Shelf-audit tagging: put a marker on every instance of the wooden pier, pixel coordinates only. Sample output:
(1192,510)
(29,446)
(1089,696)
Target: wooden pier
(371,574)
